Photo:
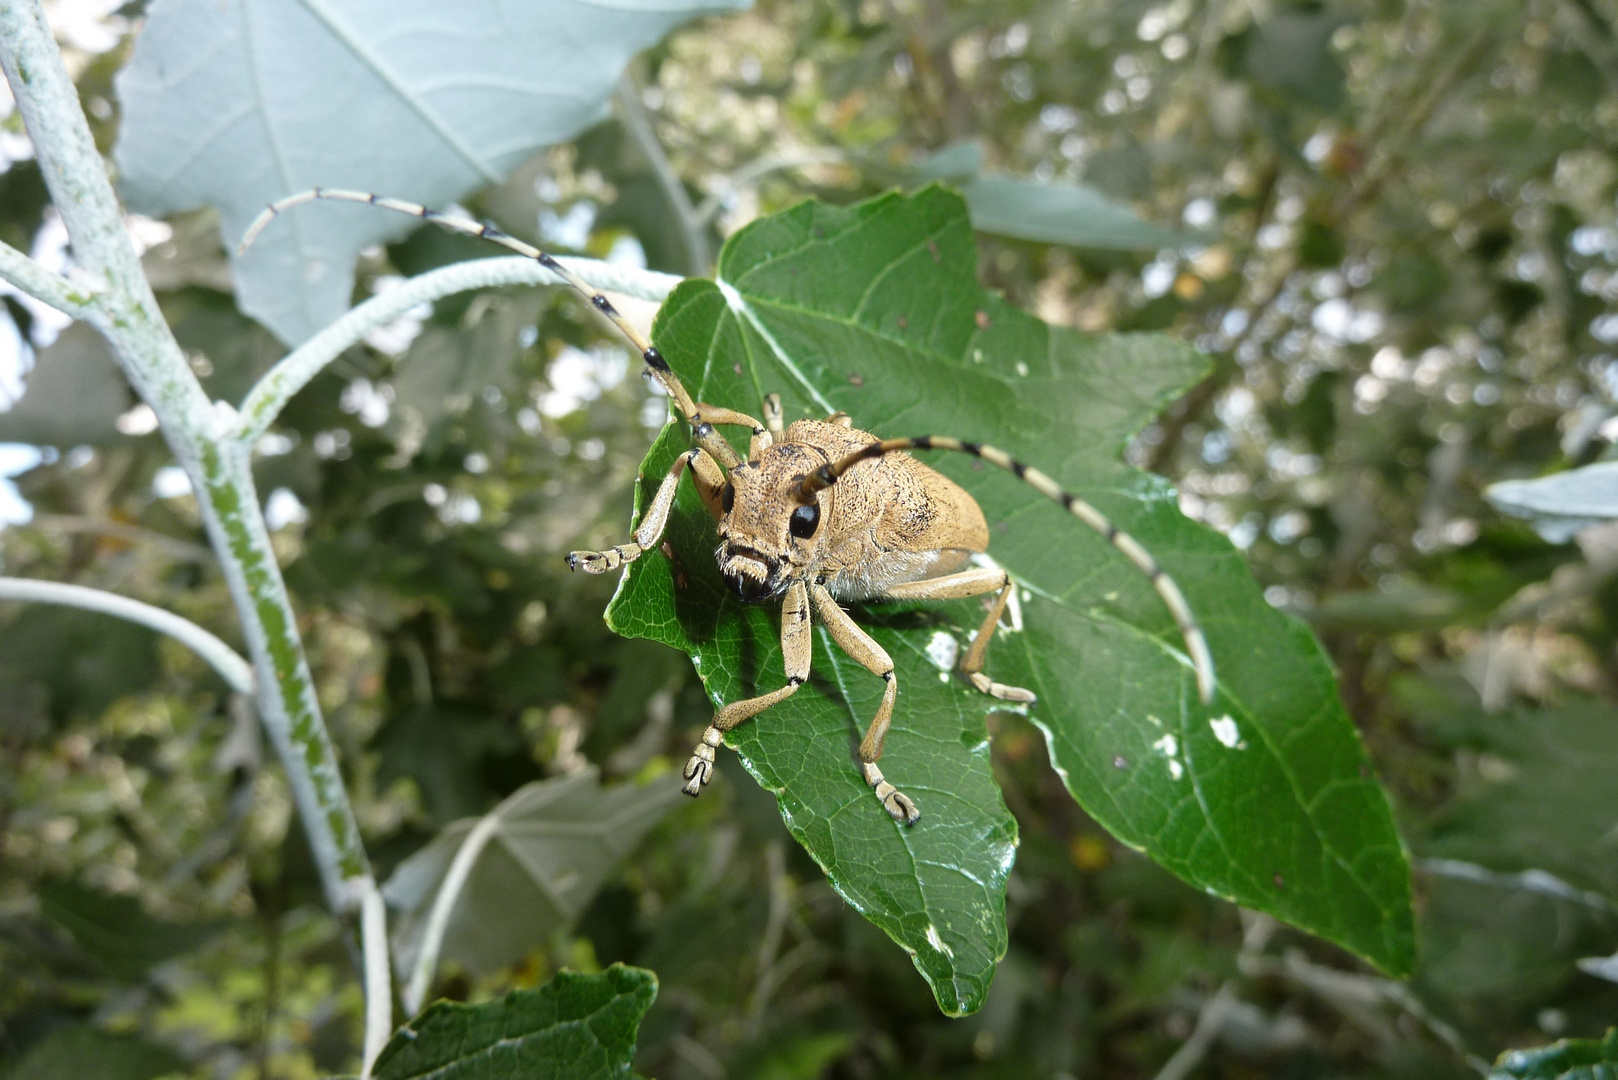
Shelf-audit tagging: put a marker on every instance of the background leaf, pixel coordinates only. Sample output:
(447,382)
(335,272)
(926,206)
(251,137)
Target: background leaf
(117,931)
(1075,214)
(1264,798)
(235,106)
(72,397)
(575,1027)
(1549,802)
(1290,53)
(555,842)
(1563,503)
(79,1050)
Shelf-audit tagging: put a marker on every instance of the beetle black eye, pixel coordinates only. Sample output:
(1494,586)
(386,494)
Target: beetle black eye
(805,520)
(727,497)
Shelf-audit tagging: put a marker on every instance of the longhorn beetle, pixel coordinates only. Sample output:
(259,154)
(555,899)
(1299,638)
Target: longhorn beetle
(821,512)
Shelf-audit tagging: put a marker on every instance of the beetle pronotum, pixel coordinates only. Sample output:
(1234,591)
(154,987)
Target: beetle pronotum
(821,512)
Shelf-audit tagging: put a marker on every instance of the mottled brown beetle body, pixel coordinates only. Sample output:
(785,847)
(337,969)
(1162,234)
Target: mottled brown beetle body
(889,521)
(821,512)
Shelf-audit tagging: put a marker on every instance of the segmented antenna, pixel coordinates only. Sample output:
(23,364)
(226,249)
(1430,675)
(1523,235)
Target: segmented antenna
(658,366)
(1196,644)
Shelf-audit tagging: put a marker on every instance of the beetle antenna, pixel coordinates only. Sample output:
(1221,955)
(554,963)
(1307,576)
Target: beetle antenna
(1196,644)
(658,367)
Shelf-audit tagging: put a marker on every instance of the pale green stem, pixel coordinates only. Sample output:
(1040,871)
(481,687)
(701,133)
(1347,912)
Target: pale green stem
(272,392)
(201,435)
(43,285)
(449,892)
(221,657)
(197,431)
(378,974)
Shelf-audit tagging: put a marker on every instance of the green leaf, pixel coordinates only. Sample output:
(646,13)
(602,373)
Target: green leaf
(1495,943)
(1078,215)
(575,1027)
(231,106)
(1551,805)
(1291,52)
(1074,214)
(1264,798)
(547,849)
(445,367)
(83,660)
(1569,1059)
(72,397)
(958,163)
(117,931)
(803,1057)
(1563,503)
(79,1050)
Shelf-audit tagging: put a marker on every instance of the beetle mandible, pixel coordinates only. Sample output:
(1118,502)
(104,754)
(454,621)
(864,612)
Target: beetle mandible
(818,514)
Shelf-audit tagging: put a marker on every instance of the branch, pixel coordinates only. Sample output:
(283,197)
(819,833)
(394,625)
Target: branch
(378,979)
(692,227)
(221,657)
(449,891)
(1355,996)
(1216,1010)
(126,311)
(197,431)
(1210,1022)
(44,285)
(272,392)
(1533,881)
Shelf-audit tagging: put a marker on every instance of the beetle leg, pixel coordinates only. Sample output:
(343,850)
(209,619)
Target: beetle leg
(972,662)
(974,582)
(841,419)
(703,471)
(865,651)
(710,482)
(772,414)
(795,651)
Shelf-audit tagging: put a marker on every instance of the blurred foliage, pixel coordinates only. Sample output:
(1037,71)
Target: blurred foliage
(1569,1059)
(1406,280)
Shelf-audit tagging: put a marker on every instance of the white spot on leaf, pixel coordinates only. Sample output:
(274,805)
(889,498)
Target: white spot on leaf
(937,942)
(1225,730)
(942,650)
(1169,746)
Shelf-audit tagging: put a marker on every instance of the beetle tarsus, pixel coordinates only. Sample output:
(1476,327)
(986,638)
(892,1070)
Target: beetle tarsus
(1001,690)
(894,801)
(699,770)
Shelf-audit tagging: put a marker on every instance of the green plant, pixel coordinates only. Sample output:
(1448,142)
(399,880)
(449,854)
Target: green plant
(1383,229)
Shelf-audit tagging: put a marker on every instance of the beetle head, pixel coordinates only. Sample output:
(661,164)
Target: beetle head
(770,533)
